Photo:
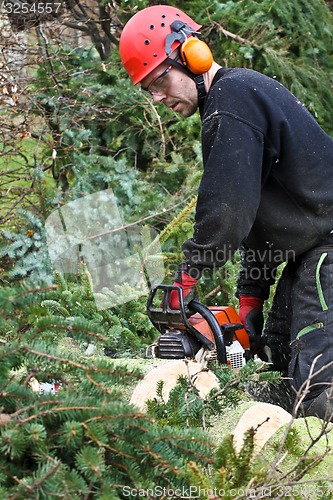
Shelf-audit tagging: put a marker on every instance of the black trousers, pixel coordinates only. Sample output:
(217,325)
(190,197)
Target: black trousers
(299,327)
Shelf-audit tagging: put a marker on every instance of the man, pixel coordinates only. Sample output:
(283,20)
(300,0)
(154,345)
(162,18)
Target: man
(266,189)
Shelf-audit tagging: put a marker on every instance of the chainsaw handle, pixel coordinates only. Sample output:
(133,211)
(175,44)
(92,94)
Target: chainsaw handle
(164,305)
(221,352)
(164,316)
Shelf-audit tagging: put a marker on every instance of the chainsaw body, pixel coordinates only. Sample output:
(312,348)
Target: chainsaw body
(213,332)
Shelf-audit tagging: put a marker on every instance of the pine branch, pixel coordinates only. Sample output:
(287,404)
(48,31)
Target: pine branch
(66,327)
(84,368)
(188,208)
(99,385)
(164,235)
(33,406)
(37,290)
(228,34)
(181,439)
(39,483)
(160,460)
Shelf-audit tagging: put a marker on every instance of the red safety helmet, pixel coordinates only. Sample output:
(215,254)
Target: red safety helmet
(143,40)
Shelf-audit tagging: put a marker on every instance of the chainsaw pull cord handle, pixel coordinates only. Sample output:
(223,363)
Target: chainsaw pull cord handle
(221,353)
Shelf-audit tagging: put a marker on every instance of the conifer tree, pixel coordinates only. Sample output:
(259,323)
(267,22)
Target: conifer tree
(84,441)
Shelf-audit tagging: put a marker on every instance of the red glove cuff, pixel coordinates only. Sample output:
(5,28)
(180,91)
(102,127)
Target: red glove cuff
(247,304)
(187,282)
(251,302)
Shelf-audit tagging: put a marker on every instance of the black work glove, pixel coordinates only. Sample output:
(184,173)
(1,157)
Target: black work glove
(250,313)
(254,326)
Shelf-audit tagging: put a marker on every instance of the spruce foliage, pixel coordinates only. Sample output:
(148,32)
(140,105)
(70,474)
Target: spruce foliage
(23,251)
(289,41)
(71,310)
(84,441)
(186,408)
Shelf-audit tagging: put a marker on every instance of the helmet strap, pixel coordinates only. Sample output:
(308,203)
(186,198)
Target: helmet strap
(198,79)
(179,32)
(200,83)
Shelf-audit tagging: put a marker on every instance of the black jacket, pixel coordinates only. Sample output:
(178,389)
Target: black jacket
(268,174)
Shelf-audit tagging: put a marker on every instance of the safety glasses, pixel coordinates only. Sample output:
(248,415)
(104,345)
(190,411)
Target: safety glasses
(158,82)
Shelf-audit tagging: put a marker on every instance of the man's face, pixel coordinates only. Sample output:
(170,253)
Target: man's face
(168,85)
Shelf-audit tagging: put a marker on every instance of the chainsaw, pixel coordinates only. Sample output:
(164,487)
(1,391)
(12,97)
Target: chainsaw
(196,331)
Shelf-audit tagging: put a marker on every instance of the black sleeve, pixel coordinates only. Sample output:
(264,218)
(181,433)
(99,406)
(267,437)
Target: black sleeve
(255,278)
(229,192)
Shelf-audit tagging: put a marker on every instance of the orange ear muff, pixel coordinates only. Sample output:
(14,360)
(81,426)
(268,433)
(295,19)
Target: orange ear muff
(196,55)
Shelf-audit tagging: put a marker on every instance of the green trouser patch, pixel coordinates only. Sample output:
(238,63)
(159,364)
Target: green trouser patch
(319,287)
(309,328)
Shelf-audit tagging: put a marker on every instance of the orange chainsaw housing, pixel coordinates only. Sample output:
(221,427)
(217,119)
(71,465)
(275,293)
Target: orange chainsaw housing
(224,316)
